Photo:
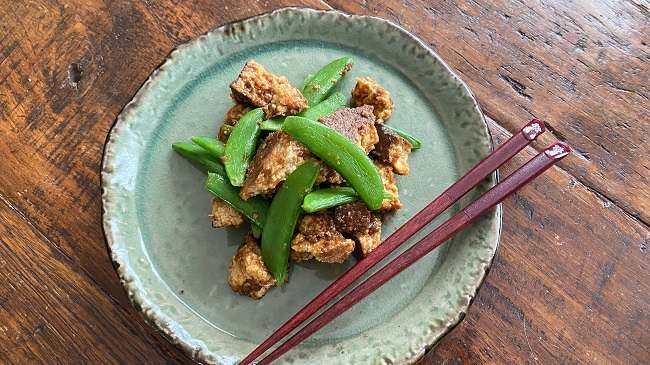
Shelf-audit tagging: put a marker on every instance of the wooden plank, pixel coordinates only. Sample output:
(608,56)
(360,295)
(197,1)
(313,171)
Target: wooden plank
(53,313)
(55,128)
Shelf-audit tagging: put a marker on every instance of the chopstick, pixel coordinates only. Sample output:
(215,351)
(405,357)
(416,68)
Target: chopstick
(467,182)
(474,210)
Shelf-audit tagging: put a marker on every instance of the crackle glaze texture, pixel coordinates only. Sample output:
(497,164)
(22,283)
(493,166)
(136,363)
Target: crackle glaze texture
(174,266)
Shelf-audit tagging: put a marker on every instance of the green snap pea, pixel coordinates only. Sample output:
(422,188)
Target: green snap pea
(328,106)
(256,230)
(332,197)
(415,143)
(274,124)
(282,217)
(210,144)
(342,155)
(241,146)
(322,82)
(199,157)
(255,208)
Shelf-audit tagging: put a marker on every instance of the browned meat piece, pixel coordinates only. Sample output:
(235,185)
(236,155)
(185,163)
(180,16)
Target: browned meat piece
(390,185)
(319,238)
(355,218)
(352,217)
(369,239)
(224,215)
(274,94)
(392,149)
(368,92)
(275,159)
(248,274)
(358,124)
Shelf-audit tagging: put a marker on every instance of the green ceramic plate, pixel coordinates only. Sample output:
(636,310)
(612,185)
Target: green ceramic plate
(174,266)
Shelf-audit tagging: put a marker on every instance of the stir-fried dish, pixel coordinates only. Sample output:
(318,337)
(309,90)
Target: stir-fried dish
(311,171)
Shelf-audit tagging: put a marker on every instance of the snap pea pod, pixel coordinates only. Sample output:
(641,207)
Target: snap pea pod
(241,146)
(342,155)
(274,124)
(282,217)
(415,143)
(322,82)
(332,197)
(328,106)
(210,144)
(256,230)
(255,208)
(199,157)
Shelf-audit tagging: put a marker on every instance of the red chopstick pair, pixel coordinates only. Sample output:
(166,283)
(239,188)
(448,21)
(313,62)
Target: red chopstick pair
(491,198)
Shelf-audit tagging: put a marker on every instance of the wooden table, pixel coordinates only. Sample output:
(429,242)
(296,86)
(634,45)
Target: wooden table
(571,280)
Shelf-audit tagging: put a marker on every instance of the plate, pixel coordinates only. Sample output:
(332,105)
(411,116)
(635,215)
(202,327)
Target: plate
(174,266)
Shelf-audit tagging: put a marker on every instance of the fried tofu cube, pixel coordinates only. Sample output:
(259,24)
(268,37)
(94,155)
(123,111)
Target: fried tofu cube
(248,274)
(319,239)
(274,94)
(390,185)
(233,115)
(225,215)
(277,157)
(392,149)
(368,92)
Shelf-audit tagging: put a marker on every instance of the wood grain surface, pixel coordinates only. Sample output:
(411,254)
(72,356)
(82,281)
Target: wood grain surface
(571,280)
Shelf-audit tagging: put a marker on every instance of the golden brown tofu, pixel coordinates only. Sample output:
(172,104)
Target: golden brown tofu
(233,115)
(327,173)
(390,185)
(274,94)
(319,239)
(248,274)
(277,157)
(369,239)
(392,149)
(224,215)
(368,92)
(358,124)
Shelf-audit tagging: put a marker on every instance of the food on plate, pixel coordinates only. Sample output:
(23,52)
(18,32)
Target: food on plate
(241,146)
(318,238)
(274,94)
(312,172)
(248,273)
(392,149)
(282,217)
(316,87)
(368,92)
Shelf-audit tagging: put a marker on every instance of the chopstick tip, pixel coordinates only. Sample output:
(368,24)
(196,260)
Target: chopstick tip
(557,150)
(533,129)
